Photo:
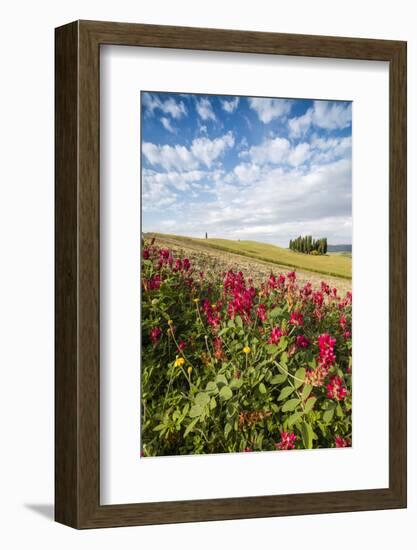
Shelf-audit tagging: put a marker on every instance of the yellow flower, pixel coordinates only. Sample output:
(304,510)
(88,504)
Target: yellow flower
(196,300)
(179,361)
(246,349)
(213,306)
(170,321)
(190,370)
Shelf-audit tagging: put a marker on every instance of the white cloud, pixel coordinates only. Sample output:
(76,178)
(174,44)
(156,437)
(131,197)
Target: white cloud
(176,109)
(268,109)
(279,151)
(274,151)
(167,125)
(299,126)
(207,150)
(205,109)
(332,115)
(329,115)
(203,151)
(230,105)
(169,157)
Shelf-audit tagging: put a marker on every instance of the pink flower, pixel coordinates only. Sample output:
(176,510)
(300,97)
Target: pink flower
(296,319)
(145,254)
(287,441)
(186,264)
(335,389)
(291,276)
(342,442)
(155,334)
(261,313)
(302,341)
(325,288)
(275,335)
(247,450)
(182,345)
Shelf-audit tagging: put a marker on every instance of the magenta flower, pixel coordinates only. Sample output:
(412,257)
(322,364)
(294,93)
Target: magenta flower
(302,341)
(275,335)
(342,442)
(336,389)
(296,319)
(287,441)
(155,334)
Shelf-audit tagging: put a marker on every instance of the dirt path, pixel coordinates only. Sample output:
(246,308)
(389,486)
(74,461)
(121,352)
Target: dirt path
(214,261)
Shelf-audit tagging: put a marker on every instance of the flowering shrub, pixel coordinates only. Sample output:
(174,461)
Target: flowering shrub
(230,367)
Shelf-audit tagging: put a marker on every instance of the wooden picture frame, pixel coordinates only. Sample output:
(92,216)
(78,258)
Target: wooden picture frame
(77,374)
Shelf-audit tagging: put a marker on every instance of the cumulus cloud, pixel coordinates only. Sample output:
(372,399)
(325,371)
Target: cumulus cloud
(170,106)
(279,151)
(207,150)
(167,125)
(275,204)
(203,151)
(230,105)
(205,109)
(269,109)
(329,115)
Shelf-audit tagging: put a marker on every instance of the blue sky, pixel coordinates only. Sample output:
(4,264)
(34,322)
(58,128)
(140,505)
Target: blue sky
(263,169)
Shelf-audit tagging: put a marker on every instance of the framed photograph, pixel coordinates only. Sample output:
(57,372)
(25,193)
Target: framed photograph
(230,274)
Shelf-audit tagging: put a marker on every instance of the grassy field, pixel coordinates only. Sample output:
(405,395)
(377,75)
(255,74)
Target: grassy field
(337,265)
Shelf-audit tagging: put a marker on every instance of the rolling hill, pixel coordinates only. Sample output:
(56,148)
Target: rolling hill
(334,264)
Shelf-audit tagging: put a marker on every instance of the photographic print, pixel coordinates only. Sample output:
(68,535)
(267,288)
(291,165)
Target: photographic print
(246,274)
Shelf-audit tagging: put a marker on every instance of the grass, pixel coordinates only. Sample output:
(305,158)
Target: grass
(336,265)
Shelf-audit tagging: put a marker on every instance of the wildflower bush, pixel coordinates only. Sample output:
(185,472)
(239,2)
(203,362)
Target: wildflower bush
(230,367)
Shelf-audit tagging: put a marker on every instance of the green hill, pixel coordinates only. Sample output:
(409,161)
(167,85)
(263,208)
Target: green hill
(334,264)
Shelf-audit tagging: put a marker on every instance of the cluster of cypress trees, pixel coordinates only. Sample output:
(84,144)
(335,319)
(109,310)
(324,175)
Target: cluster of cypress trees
(308,245)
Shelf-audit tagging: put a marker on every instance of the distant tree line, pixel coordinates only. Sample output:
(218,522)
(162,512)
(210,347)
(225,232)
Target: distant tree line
(308,245)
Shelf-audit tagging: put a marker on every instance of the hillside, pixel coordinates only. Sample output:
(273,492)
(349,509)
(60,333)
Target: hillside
(334,265)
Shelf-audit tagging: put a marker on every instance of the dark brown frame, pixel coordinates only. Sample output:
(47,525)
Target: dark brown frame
(77,373)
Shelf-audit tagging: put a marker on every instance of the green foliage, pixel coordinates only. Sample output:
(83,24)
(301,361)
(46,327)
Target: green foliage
(308,245)
(222,386)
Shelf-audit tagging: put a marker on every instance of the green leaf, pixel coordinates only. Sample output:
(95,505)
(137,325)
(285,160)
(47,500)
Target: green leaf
(283,343)
(213,403)
(212,387)
(159,427)
(202,399)
(221,380)
(227,430)
(271,349)
(293,419)
(262,388)
(328,415)
(290,405)
(299,375)
(274,312)
(236,383)
(307,435)
(278,379)
(195,410)
(190,426)
(306,392)
(225,393)
(285,392)
(238,321)
(309,404)
(284,358)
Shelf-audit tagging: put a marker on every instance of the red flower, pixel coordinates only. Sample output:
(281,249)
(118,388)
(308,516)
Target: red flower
(342,442)
(296,319)
(247,450)
(182,345)
(275,335)
(336,390)
(302,341)
(146,254)
(186,264)
(261,313)
(155,334)
(287,441)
